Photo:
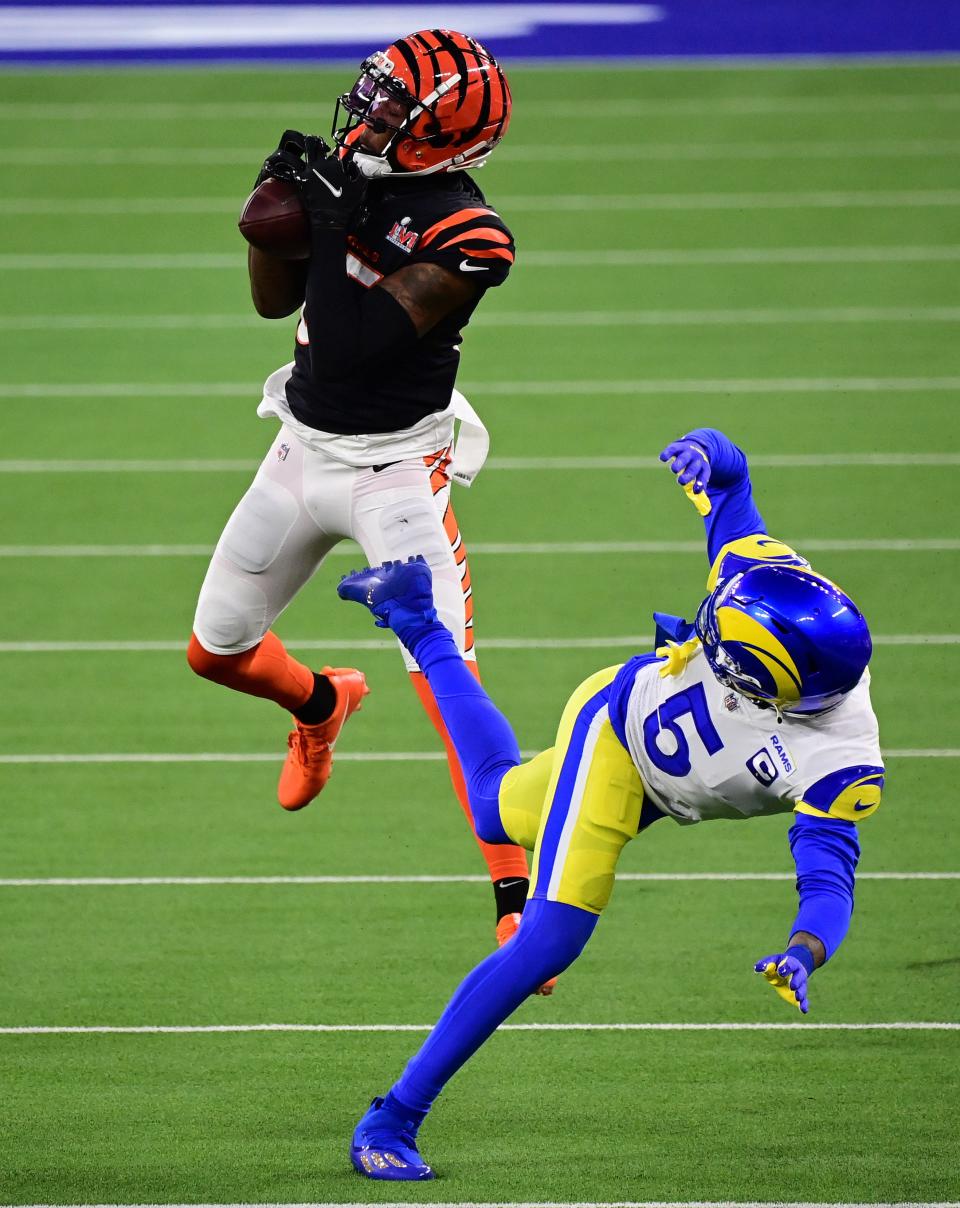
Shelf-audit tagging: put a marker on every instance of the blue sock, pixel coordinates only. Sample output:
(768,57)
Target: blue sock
(550,938)
(483,738)
(407,1118)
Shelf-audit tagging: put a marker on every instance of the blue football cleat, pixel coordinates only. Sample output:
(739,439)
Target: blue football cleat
(396,593)
(383,1148)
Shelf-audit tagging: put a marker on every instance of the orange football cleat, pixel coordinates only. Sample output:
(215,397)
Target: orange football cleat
(310,748)
(506,930)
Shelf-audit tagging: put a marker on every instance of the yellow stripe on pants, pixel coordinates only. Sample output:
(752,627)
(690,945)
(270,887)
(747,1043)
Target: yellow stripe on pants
(591,820)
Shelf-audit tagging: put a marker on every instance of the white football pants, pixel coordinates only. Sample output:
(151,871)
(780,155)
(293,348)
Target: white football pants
(299,506)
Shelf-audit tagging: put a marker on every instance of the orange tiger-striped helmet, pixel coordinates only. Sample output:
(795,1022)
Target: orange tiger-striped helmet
(443,96)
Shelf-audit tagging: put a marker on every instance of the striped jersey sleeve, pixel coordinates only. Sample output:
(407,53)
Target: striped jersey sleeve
(850,794)
(474,243)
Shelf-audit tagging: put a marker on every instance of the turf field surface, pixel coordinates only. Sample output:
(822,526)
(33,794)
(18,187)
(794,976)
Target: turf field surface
(769,251)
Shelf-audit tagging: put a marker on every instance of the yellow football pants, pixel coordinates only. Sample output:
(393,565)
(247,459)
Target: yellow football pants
(576,805)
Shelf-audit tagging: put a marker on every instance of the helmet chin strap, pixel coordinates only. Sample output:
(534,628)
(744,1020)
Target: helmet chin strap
(373,166)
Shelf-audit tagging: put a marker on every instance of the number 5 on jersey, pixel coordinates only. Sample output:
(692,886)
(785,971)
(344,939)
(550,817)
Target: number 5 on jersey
(694,702)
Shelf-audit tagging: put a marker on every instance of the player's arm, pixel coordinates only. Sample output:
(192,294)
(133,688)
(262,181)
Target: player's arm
(428,293)
(277,287)
(826,848)
(714,474)
(456,260)
(351,331)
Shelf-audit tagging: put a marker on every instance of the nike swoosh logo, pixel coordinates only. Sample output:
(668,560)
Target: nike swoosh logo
(860,806)
(467,267)
(323,179)
(507,884)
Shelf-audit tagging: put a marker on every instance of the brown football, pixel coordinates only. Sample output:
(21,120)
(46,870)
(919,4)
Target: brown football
(273,219)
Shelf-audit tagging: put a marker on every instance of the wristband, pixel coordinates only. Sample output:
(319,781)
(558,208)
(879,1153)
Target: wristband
(803,954)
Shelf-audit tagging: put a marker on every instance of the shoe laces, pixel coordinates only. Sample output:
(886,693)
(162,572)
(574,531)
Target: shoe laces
(303,747)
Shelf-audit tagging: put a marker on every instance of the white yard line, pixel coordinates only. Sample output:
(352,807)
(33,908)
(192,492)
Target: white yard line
(619,152)
(101,207)
(778,461)
(142,390)
(566,386)
(767,317)
(722,150)
(165,111)
(801,199)
(767,461)
(426,879)
(538,1204)
(187,1029)
(135,757)
(601,258)
(133,466)
(222,757)
(678,257)
(388,646)
(740,106)
(524,549)
(94,322)
(129,262)
(770,317)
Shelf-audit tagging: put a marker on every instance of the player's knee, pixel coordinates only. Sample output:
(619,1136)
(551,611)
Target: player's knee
(550,938)
(554,934)
(202,661)
(231,615)
(483,789)
(486,817)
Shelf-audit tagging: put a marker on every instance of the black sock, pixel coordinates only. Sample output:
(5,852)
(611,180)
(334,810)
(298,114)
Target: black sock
(510,893)
(319,705)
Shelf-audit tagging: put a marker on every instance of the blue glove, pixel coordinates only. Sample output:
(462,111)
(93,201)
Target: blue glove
(690,463)
(788,976)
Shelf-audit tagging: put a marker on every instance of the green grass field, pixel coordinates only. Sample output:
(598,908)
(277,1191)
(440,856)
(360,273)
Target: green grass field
(773,252)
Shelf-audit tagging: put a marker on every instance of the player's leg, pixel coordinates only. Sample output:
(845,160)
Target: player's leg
(485,743)
(270,547)
(592,810)
(594,804)
(405,509)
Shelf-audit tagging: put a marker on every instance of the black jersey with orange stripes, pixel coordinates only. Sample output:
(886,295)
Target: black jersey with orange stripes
(443,220)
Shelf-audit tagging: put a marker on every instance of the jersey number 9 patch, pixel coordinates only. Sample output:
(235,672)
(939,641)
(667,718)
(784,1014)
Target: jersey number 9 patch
(693,701)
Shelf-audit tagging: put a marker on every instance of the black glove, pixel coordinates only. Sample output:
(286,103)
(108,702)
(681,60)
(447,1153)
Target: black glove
(292,142)
(332,189)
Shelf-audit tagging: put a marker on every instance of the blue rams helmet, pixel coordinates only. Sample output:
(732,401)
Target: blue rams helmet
(784,636)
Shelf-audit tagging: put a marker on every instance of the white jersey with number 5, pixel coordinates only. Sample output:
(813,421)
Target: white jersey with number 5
(706,752)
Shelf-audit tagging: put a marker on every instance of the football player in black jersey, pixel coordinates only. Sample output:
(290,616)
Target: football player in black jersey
(403,248)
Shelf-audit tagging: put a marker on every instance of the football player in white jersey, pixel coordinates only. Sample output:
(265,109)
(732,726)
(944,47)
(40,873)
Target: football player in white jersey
(761,706)
(403,247)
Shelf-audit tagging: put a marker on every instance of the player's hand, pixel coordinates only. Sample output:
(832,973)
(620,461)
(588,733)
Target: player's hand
(787,976)
(690,464)
(332,189)
(277,164)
